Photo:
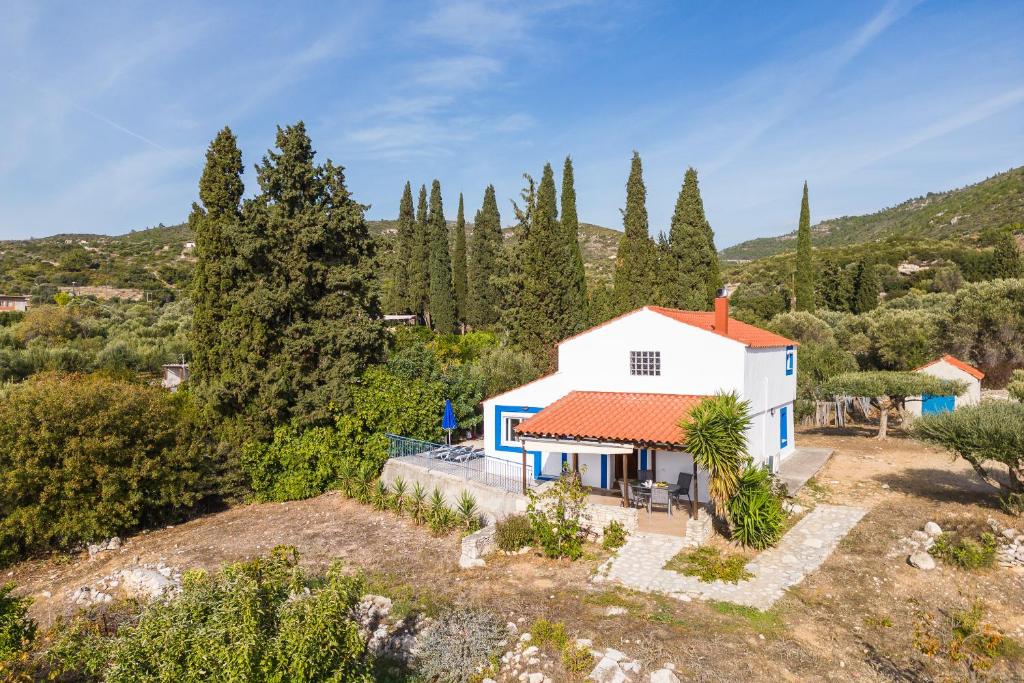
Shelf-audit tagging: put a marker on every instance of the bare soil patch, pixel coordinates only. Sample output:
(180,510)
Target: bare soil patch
(854,619)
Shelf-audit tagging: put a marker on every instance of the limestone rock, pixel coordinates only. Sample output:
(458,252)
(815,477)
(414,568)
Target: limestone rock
(932,529)
(664,676)
(145,583)
(615,655)
(614,611)
(922,560)
(608,671)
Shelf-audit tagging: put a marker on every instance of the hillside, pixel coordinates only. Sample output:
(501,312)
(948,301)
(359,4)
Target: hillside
(965,211)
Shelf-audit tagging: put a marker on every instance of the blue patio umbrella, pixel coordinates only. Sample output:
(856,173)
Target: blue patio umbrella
(448,422)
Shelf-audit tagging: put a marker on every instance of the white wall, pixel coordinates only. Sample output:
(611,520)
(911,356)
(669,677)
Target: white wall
(944,370)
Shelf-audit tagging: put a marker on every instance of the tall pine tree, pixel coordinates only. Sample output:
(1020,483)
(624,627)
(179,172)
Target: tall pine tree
(804,263)
(635,264)
(835,289)
(419,260)
(576,300)
(485,264)
(690,277)
(404,244)
(866,287)
(304,320)
(442,297)
(215,224)
(460,282)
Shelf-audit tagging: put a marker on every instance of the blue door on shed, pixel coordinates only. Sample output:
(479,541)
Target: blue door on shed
(783,427)
(937,404)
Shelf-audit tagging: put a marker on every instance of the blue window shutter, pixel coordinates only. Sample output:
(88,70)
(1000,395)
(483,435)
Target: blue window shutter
(643,458)
(604,471)
(789,360)
(783,427)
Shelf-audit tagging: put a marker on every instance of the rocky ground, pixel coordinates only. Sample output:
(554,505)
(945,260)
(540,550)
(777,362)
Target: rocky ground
(853,619)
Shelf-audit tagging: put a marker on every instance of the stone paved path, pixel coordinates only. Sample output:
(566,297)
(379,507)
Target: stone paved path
(802,550)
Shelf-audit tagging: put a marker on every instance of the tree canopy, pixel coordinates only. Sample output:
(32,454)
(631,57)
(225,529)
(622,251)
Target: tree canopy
(890,389)
(635,262)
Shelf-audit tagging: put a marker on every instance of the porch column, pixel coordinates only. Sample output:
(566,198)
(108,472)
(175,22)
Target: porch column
(623,472)
(654,462)
(696,491)
(524,468)
(576,463)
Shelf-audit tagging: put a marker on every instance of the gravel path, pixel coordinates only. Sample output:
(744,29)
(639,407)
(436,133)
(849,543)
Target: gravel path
(639,564)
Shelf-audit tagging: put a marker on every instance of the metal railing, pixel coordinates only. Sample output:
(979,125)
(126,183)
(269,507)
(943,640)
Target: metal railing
(463,462)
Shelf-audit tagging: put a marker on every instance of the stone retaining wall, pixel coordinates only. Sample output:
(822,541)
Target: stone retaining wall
(599,516)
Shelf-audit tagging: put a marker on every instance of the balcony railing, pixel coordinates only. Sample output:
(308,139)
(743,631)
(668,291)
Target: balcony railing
(461,461)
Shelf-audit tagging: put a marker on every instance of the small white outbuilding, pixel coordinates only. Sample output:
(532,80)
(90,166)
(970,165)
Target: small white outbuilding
(948,367)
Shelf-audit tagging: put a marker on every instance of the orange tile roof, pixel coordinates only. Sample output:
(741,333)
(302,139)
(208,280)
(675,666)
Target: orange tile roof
(612,416)
(738,330)
(956,363)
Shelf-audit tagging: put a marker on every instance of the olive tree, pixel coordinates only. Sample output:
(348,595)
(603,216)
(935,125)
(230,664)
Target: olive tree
(889,390)
(990,432)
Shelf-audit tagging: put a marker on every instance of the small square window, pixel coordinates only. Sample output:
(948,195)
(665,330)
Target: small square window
(645,363)
(789,360)
(510,428)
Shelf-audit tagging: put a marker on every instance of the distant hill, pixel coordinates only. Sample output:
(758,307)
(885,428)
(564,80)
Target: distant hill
(993,202)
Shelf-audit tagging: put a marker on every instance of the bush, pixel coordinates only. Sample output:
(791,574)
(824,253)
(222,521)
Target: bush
(965,552)
(556,517)
(467,512)
(614,536)
(252,621)
(549,633)
(295,465)
(577,659)
(16,629)
(459,645)
(1012,504)
(513,533)
(708,564)
(755,511)
(85,457)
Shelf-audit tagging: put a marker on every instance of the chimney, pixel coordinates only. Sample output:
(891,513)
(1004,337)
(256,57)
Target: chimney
(722,312)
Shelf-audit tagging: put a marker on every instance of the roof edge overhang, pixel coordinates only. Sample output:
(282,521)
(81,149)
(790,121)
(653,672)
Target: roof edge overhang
(577,442)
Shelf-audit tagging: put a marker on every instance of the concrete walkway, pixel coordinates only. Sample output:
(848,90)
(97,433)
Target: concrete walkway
(640,563)
(795,470)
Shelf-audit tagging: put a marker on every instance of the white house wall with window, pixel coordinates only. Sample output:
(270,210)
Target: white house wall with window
(622,387)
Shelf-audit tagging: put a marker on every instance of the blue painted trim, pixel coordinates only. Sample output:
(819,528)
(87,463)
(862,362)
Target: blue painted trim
(789,361)
(643,458)
(499,426)
(783,426)
(565,461)
(604,471)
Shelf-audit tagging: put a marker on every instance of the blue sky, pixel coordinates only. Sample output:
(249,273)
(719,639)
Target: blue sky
(107,108)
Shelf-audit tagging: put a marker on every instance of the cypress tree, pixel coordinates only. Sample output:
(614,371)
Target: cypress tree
(459,276)
(403,251)
(804,263)
(835,290)
(690,277)
(485,267)
(576,300)
(307,320)
(214,223)
(419,260)
(866,288)
(1006,257)
(441,305)
(513,314)
(635,262)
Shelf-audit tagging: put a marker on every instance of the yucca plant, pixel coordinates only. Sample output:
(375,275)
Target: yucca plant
(398,491)
(755,511)
(380,498)
(714,432)
(363,485)
(467,511)
(442,520)
(417,502)
(346,479)
(436,504)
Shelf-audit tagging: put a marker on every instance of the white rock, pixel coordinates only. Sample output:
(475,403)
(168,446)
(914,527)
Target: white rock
(608,671)
(584,642)
(632,667)
(525,638)
(142,582)
(922,560)
(614,611)
(536,677)
(615,655)
(511,626)
(932,529)
(919,535)
(531,651)
(488,680)
(664,676)
(1010,533)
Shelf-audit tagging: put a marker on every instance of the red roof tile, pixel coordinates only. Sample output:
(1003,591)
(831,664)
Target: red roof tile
(738,330)
(956,363)
(612,416)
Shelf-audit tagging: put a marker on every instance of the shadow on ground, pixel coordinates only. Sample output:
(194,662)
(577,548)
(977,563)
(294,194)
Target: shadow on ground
(941,485)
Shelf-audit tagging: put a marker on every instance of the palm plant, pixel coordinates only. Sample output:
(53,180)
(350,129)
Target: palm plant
(346,479)
(417,502)
(442,520)
(467,511)
(398,491)
(363,485)
(436,505)
(380,498)
(714,432)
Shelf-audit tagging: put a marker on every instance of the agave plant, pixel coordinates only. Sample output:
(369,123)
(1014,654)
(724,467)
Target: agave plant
(417,503)
(346,479)
(467,511)
(442,520)
(363,485)
(398,491)
(436,504)
(714,432)
(380,498)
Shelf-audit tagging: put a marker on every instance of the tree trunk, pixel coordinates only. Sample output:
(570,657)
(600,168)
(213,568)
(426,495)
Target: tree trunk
(884,403)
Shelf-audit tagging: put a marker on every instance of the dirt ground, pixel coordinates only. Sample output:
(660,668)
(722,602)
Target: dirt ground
(854,619)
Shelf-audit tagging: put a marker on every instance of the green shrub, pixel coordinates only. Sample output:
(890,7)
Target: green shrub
(380,498)
(755,510)
(1012,504)
(556,517)
(252,621)
(399,490)
(295,464)
(418,503)
(85,457)
(17,630)
(467,512)
(965,552)
(577,659)
(513,533)
(614,536)
(708,564)
(460,644)
(549,633)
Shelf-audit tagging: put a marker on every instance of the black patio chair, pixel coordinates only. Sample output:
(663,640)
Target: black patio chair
(639,495)
(660,497)
(682,488)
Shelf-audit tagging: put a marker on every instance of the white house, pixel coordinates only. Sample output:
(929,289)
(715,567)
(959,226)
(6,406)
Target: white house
(14,302)
(175,374)
(622,387)
(948,367)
